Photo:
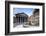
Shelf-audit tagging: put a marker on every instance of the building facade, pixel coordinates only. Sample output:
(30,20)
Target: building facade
(34,18)
(21,18)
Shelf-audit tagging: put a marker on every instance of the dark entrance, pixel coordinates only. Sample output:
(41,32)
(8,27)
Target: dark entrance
(21,19)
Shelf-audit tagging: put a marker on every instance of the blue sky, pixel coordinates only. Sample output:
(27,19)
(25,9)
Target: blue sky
(27,11)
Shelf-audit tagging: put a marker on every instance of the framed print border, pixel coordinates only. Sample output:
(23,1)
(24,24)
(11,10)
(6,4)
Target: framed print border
(7,17)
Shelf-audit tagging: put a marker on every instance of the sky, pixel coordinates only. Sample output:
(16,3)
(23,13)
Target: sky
(27,11)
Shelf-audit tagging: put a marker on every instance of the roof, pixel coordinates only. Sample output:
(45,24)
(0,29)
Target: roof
(22,14)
